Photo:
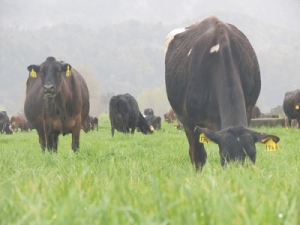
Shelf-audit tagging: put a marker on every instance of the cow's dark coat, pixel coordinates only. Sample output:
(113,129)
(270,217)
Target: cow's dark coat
(255,112)
(154,121)
(57,101)
(213,81)
(4,123)
(148,112)
(291,106)
(125,115)
(90,124)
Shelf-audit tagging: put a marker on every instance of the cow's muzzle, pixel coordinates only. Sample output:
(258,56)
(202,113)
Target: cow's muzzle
(49,91)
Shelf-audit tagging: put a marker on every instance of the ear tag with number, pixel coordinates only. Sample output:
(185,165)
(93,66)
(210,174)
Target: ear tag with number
(203,139)
(68,72)
(271,145)
(32,73)
(297,107)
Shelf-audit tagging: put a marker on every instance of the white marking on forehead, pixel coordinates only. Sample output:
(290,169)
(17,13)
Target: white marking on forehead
(171,36)
(215,48)
(190,51)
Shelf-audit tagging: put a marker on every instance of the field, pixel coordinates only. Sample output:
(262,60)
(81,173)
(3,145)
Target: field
(145,180)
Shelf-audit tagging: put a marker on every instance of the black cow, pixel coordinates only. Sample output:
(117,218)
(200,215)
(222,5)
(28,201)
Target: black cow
(291,106)
(255,112)
(5,123)
(154,121)
(125,115)
(90,124)
(57,101)
(213,81)
(148,112)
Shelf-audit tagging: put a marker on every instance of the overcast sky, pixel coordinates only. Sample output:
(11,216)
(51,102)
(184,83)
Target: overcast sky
(96,13)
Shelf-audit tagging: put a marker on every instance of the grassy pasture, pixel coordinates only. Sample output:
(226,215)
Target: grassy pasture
(145,180)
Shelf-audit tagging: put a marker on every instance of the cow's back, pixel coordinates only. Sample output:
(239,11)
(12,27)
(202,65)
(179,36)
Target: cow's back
(201,62)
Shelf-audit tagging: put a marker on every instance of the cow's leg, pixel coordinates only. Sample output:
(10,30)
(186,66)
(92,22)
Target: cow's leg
(55,140)
(112,131)
(75,135)
(42,138)
(197,152)
(49,137)
(298,120)
(132,130)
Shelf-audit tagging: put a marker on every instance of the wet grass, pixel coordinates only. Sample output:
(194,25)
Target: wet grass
(145,180)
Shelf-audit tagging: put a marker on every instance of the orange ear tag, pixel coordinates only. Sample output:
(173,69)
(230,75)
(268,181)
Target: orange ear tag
(32,73)
(271,146)
(203,139)
(68,72)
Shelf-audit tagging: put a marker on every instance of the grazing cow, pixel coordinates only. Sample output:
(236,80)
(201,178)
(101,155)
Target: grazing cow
(154,121)
(255,112)
(213,81)
(170,116)
(18,122)
(124,114)
(57,101)
(5,123)
(291,106)
(148,112)
(90,124)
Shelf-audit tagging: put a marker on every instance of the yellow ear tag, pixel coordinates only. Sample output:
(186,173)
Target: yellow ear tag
(203,139)
(151,128)
(32,73)
(68,72)
(297,107)
(271,146)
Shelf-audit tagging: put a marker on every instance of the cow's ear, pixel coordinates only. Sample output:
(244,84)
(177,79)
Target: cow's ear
(209,134)
(263,137)
(33,70)
(67,69)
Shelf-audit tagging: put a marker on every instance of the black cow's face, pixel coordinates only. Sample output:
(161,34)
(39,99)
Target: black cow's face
(51,72)
(235,143)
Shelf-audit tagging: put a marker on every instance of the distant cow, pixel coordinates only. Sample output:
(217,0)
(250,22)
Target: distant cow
(154,121)
(4,123)
(170,116)
(291,106)
(90,124)
(255,112)
(57,101)
(18,122)
(212,82)
(148,112)
(125,115)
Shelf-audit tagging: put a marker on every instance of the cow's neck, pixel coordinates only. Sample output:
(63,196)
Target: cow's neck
(231,103)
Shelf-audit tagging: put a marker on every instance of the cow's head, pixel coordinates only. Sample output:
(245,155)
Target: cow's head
(235,143)
(52,73)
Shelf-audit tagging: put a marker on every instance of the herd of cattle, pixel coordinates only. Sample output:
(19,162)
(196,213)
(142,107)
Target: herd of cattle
(212,81)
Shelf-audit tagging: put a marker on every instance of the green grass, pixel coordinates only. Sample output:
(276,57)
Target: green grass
(145,180)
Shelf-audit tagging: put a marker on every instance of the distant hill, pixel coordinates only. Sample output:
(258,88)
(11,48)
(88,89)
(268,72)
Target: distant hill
(129,56)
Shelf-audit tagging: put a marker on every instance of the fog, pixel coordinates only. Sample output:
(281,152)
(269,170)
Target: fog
(119,45)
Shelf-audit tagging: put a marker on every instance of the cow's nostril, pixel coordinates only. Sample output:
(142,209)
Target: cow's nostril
(48,88)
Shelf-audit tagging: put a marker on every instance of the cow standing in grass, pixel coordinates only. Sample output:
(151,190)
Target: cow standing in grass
(57,102)
(213,81)
(125,116)
(291,106)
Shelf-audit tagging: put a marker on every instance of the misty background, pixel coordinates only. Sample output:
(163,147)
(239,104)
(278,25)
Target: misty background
(118,46)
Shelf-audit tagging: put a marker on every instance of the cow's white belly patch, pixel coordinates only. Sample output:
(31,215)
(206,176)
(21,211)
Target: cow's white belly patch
(215,48)
(171,36)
